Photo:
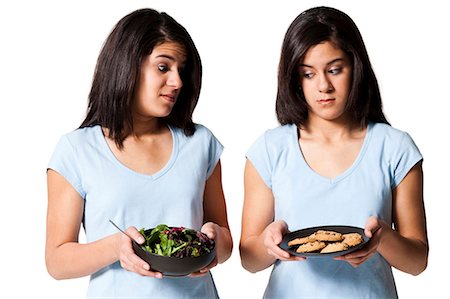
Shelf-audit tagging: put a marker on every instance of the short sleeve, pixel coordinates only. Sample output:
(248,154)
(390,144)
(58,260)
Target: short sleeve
(215,150)
(404,159)
(64,162)
(258,155)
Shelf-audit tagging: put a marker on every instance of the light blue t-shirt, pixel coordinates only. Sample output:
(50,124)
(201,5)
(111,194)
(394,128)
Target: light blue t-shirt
(303,198)
(173,196)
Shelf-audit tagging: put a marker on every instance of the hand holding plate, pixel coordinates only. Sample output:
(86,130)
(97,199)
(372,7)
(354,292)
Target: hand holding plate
(273,236)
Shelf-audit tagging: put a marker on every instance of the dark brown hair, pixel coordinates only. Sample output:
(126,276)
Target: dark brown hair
(118,67)
(313,27)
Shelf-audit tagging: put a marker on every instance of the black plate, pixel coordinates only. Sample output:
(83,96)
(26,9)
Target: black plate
(308,231)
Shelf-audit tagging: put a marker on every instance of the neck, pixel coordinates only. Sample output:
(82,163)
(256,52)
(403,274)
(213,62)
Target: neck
(329,130)
(146,127)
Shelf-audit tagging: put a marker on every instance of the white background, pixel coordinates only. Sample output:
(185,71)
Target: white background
(48,53)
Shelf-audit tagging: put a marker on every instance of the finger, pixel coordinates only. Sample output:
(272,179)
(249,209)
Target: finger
(354,261)
(149,273)
(294,258)
(137,268)
(356,258)
(283,225)
(274,250)
(277,238)
(129,258)
(372,225)
(211,265)
(278,253)
(210,233)
(209,229)
(358,254)
(135,234)
(299,258)
(140,263)
(132,262)
(291,258)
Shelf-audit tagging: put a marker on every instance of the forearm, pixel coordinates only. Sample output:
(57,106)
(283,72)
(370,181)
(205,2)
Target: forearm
(224,244)
(72,260)
(405,254)
(254,256)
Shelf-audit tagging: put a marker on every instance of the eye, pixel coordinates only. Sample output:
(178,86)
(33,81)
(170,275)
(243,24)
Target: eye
(307,75)
(335,71)
(163,68)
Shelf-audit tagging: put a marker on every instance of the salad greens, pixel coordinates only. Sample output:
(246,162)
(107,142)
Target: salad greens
(176,241)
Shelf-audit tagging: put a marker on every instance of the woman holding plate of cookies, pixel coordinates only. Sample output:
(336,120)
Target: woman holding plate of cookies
(334,160)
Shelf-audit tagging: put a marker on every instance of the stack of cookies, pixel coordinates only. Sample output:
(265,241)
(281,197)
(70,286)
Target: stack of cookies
(325,241)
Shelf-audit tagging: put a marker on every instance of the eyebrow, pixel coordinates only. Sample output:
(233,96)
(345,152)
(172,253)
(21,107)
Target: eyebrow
(182,63)
(165,56)
(331,62)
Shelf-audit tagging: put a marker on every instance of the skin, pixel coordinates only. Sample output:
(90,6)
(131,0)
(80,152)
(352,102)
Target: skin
(330,146)
(146,150)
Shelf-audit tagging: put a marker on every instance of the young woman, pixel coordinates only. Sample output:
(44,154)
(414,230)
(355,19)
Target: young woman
(335,160)
(139,160)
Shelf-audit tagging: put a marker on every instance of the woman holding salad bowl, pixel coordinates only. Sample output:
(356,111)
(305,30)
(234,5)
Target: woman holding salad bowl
(139,160)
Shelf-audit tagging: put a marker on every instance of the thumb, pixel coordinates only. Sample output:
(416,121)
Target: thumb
(372,225)
(208,229)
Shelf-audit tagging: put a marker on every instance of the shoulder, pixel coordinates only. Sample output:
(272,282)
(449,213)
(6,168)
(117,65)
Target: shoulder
(201,137)
(383,128)
(278,136)
(389,136)
(278,133)
(82,135)
(393,142)
(274,140)
(202,130)
(204,134)
(79,140)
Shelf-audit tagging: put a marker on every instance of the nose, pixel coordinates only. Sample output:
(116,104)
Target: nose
(174,80)
(324,84)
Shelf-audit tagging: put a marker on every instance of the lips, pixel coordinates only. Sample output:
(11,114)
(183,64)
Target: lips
(169,97)
(325,101)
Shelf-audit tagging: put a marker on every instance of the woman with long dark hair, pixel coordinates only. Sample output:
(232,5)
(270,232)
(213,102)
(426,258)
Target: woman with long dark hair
(140,160)
(335,160)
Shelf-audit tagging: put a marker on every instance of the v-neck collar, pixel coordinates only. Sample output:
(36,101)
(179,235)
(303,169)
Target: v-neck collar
(342,175)
(153,176)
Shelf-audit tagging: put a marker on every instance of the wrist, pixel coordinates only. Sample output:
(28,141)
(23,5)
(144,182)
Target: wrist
(115,243)
(385,231)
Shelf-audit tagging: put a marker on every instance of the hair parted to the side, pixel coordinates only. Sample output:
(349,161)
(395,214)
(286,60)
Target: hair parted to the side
(118,68)
(313,27)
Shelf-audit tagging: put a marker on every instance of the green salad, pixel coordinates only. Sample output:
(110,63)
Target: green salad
(176,241)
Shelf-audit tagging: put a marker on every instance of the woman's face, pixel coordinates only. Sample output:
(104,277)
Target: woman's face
(325,77)
(159,81)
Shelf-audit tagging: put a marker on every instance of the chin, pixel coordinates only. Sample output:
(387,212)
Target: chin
(163,111)
(331,115)
(165,114)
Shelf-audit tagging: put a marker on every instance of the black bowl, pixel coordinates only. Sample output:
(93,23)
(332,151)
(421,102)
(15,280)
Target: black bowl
(171,265)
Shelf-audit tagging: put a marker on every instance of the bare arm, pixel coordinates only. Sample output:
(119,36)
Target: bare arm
(215,215)
(260,235)
(406,246)
(65,257)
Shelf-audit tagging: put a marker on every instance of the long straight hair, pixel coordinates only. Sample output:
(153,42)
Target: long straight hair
(313,27)
(118,68)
